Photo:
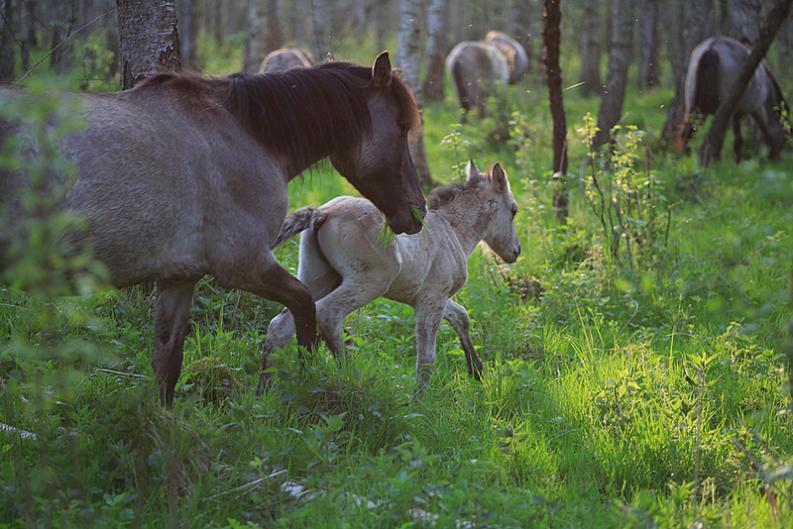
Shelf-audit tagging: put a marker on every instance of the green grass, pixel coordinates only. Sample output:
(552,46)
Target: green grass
(652,398)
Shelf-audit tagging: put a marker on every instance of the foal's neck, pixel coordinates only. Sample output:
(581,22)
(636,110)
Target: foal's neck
(468,216)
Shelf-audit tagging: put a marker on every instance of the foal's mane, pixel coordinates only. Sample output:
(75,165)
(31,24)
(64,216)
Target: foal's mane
(443,195)
(302,113)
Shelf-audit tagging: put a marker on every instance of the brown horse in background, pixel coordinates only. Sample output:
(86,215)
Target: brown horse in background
(185,176)
(712,70)
(284,59)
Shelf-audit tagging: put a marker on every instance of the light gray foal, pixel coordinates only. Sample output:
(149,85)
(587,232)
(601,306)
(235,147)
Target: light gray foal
(346,265)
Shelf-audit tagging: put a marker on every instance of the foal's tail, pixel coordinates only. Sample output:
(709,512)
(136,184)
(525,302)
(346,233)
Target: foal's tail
(298,222)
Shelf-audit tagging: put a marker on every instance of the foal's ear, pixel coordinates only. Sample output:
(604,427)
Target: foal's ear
(471,173)
(499,177)
(381,72)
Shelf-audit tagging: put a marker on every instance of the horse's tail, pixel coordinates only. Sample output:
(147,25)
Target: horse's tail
(702,83)
(458,77)
(298,222)
(701,92)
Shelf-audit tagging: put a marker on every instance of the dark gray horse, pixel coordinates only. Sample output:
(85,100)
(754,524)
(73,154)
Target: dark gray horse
(185,176)
(284,59)
(712,69)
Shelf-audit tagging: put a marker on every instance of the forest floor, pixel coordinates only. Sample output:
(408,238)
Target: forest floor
(649,395)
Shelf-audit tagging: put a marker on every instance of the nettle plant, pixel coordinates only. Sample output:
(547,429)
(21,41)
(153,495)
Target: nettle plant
(634,214)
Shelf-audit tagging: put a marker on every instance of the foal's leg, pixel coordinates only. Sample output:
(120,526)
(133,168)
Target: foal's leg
(457,316)
(429,313)
(353,293)
(737,144)
(170,326)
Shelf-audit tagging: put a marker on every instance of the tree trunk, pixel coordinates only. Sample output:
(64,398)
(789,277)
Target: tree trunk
(255,41)
(696,16)
(274,38)
(522,20)
(217,21)
(29,39)
(649,76)
(149,39)
(7,41)
(380,24)
(590,49)
(617,77)
(297,16)
(551,37)
(437,27)
(745,17)
(321,45)
(64,19)
(714,139)
(409,59)
(188,32)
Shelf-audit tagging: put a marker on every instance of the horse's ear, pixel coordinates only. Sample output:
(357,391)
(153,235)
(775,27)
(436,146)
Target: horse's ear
(471,173)
(381,72)
(499,177)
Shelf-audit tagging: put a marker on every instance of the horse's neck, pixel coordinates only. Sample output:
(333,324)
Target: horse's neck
(466,216)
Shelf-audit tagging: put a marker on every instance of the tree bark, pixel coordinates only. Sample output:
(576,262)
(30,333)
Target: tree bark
(65,15)
(437,27)
(409,59)
(590,49)
(188,32)
(649,75)
(29,26)
(273,38)
(695,27)
(710,150)
(255,30)
(7,41)
(149,40)
(617,77)
(551,37)
(745,17)
(522,20)
(321,41)
(217,21)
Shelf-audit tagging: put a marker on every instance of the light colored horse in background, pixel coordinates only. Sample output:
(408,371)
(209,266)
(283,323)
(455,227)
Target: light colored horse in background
(713,68)
(346,265)
(517,59)
(284,59)
(475,67)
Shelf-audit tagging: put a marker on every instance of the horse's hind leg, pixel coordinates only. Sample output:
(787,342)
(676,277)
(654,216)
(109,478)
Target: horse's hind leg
(737,144)
(170,327)
(457,317)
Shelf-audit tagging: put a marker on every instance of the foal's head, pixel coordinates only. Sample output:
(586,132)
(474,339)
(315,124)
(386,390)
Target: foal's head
(495,193)
(379,165)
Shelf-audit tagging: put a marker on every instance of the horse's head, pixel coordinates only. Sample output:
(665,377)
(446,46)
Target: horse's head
(500,234)
(380,166)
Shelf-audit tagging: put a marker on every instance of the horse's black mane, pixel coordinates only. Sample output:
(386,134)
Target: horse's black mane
(302,111)
(299,113)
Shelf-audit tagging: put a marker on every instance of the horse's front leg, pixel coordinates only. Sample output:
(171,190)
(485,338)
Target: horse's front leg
(170,327)
(429,313)
(273,282)
(457,317)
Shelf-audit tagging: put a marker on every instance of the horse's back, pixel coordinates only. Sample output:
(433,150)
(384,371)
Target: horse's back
(713,68)
(478,61)
(285,59)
